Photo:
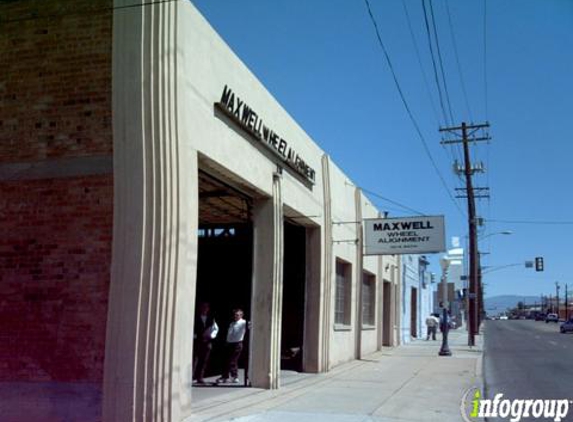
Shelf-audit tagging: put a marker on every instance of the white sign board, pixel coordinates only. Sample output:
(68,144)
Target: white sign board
(407,235)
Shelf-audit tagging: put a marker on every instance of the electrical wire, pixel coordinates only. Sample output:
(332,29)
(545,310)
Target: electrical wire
(440,61)
(488,178)
(534,222)
(485,59)
(407,107)
(369,192)
(458,60)
(418,56)
(447,151)
(432,56)
(455,147)
(451,157)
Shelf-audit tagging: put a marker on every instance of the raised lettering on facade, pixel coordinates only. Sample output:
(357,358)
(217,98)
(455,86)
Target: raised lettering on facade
(248,119)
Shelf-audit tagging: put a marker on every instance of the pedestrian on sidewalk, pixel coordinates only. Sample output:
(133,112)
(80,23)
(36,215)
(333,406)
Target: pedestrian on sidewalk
(447,323)
(205,331)
(432,323)
(234,347)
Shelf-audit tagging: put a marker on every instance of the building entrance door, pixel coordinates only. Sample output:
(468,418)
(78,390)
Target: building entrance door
(293,303)
(224,268)
(414,312)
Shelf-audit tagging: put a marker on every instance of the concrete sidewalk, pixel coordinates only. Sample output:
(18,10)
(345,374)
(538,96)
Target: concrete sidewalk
(408,383)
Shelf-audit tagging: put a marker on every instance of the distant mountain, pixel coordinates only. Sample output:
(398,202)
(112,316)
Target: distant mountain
(497,304)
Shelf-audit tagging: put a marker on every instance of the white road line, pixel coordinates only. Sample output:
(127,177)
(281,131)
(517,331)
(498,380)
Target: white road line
(553,342)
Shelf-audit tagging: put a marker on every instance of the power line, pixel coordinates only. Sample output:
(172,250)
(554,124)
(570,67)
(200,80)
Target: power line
(407,107)
(458,60)
(427,86)
(534,222)
(436,78)
(448,102)
(489,176)
(369,192)
(441,65)
(485,58)
(426,83)
(456,148)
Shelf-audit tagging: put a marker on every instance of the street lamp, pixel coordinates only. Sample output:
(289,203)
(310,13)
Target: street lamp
(479,310)
(504,232)
(489,268)
(445,349)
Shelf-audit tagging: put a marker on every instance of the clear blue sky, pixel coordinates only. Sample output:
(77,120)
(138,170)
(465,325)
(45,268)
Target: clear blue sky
(322,61)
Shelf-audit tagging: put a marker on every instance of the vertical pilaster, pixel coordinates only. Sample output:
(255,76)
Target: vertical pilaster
(359,272)
(327,262)
(150,323)
(267,289)
(397,286)
(381,305)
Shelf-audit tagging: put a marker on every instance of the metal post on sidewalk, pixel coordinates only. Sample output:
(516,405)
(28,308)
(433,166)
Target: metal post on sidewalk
(445,349)
(566,303)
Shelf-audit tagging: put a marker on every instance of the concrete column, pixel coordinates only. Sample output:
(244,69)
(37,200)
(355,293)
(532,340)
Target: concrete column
(397,286)
(358,273)
(267,289)
(327,265)
(147,374)
(380,306)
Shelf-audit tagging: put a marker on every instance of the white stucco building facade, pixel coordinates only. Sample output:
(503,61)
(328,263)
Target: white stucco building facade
(200,146)
(416,297)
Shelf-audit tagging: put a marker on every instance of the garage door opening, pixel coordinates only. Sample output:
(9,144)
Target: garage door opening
(414,312)
(293,305)
(224,267)
(387,329)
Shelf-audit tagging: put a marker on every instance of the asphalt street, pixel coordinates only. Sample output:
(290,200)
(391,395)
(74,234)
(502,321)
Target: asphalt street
(527,359)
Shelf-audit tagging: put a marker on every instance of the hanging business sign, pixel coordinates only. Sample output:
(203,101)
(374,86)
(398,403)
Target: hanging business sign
(407,235)
(250,121)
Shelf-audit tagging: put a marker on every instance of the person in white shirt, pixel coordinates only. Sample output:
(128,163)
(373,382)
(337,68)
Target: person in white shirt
(205,331)
(432,323)
(234,346)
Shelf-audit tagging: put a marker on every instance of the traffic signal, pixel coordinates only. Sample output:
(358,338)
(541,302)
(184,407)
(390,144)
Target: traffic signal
(539,263)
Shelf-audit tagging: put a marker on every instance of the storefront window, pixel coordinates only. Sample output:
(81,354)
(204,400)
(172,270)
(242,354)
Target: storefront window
(343,293)
(368,298)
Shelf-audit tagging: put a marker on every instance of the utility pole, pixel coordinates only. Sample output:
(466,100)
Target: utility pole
(467,132)
(566,304)
(557,296)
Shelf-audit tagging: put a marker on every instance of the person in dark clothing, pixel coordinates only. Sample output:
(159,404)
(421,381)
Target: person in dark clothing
(447,322)
(205,331)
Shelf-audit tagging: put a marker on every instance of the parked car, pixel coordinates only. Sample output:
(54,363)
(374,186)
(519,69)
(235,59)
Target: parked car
(540,316)
(551,318)
(503,317)
(567,326)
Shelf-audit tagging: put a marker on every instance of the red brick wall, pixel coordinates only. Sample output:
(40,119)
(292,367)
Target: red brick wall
(54,277)
(55,243)
(55,82)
